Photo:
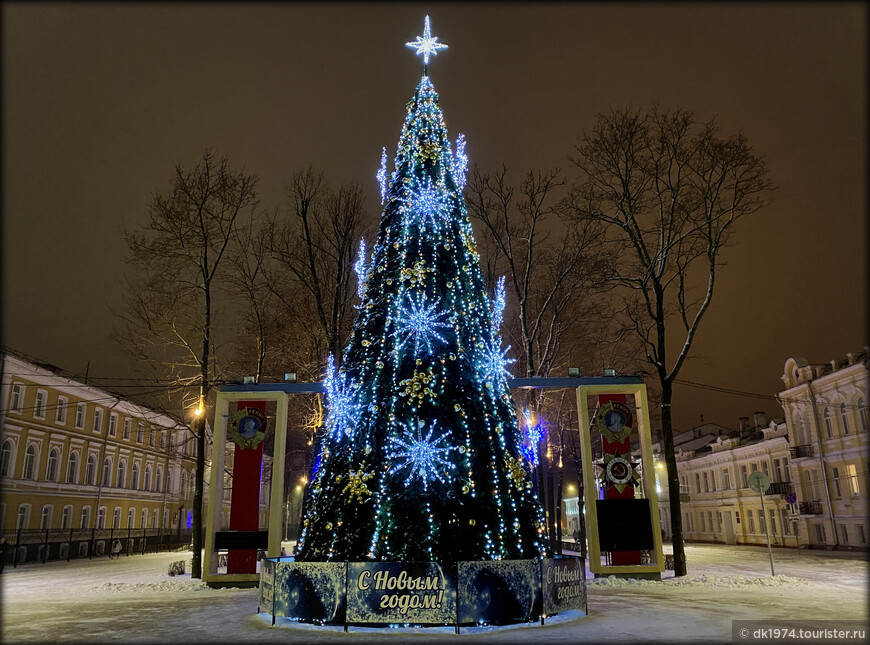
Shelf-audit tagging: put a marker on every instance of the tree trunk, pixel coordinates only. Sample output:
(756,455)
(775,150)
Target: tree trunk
(196,561)
(673,482)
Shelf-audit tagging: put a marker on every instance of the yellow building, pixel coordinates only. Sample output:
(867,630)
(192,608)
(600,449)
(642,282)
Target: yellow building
(80,466)
(826,408)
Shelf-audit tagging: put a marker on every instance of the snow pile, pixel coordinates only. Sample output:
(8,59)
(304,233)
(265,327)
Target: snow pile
(157,587)
(714,581)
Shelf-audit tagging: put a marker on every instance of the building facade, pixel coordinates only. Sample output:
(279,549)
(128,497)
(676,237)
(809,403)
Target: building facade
(81,466)
(714,465)
(826,409)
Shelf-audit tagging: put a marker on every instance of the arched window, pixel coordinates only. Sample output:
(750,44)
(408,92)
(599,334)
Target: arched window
(169,482)
(72,467)
(5,458)
(147,485)
(862,415)
(91,470)
(122,474)
(799,430)
(183,488)
(134,476)
(29,462)
(158,480)
(51,467)
(105,479)
(844,419)
(829,430)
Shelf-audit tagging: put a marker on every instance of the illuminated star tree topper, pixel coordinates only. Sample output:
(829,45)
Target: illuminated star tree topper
(426,45)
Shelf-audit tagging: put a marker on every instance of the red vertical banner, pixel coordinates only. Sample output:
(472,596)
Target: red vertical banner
(247,429)
(615,420)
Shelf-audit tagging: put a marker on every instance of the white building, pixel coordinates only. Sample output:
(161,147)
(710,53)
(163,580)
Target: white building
(826,415)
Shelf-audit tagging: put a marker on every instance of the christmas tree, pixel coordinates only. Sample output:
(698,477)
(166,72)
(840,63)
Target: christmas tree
(420,457)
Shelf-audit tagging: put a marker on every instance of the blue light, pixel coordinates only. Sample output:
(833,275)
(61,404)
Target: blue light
(360,268)
(430,206)
(343,409)
(460,162)
(422,456)
(494,364)
(498,304)
(419,322)
(382,175)
(534,432)
(426,45)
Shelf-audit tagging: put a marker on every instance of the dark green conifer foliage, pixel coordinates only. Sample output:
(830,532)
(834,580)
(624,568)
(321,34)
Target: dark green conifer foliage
(420,455)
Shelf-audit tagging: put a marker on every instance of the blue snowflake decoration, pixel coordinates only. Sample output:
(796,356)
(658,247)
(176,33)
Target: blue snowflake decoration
(424,458)
(494,362)
(343,409)
(430,206)
(419,323)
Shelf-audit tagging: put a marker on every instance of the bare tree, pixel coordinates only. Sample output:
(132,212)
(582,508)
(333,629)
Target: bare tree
(549,258)
(669,191)
(170,309)
(316,245)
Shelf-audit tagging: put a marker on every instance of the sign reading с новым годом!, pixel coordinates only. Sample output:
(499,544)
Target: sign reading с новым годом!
(400,592)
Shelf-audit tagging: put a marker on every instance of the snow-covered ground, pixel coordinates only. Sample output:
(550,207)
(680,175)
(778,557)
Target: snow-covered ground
(134,600)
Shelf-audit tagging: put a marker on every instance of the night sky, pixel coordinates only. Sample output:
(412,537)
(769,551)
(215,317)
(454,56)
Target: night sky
(100,100)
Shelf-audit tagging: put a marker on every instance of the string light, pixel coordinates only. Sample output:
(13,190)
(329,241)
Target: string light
(423,457)
(382,175)
(426,44)
(418,322)
(360,268)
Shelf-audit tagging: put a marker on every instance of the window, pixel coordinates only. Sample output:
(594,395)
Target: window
(127,424)
(29,462)
(147,485)
(852,479)
(51,467)
(66,517)
(785,522)
(785,471)
(17,401)
(765,467)
(710,519)
(72,467)
(122,472)
(844,419)
(116,518)
(713,480)
(799,430)
(777,470)
(158,480)
(166,518)
(140,433)
(81,408)
(134,476)
(91,470)
(772,516)
(169,488)
(835,473)
(162,439)
(751,522)
(829,430)
(86,517)
(39,407)
(183,489)
(155,519)
(844,534)
(706,484)
(862,415)
(143,520)
(150,436)
(862,537)
(113,424)
(745,476)
(760,521)
(130,516)
(98,420)
(703,526)
(23,516)
(45,517)
(101,517)
(60,416)
(105,479)
(5,458)
(698,482)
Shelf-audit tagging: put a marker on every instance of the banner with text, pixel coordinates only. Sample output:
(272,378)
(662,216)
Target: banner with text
(266,600)
(563,582)
(400,592)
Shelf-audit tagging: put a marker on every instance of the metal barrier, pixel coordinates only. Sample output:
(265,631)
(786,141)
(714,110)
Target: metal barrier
(42,545)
